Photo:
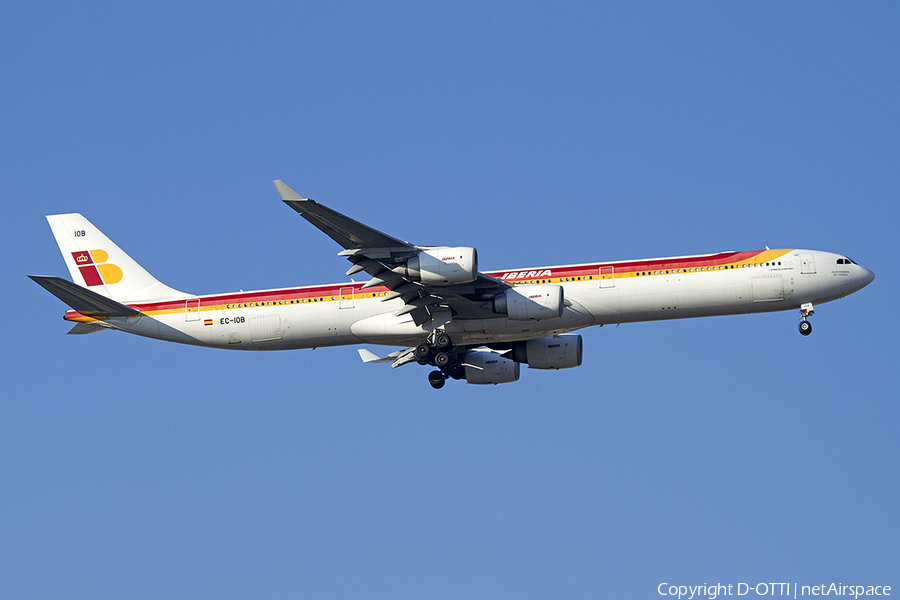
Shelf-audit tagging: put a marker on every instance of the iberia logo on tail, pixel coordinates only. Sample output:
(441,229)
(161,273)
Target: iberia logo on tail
(94,268)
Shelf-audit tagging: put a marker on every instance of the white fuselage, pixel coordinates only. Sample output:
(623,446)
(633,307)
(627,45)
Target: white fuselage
(595,294)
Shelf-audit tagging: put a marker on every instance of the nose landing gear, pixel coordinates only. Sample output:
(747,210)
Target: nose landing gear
(806,310)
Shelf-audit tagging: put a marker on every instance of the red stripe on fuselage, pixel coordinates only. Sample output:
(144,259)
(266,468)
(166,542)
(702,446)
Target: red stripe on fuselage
(653,264)
(333,291)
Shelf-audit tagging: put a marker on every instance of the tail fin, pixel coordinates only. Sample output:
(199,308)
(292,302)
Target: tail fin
(98,264)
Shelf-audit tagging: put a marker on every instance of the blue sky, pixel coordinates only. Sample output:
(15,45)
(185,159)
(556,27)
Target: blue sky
(721,450)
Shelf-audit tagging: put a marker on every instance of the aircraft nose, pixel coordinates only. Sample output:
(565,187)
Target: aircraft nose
(866,277)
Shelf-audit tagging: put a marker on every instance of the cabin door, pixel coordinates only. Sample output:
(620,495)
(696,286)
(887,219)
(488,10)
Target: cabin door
(192,310)
(607,277)
(807,263)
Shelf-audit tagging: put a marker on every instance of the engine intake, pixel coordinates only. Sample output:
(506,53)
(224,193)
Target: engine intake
(553,352)
(530,302)
(442,266)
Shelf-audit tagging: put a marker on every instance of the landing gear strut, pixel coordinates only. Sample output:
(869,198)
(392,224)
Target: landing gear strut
(805,311)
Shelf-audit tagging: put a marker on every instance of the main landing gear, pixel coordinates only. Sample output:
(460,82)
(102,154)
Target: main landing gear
(436,379)
(439,353)
(806,310)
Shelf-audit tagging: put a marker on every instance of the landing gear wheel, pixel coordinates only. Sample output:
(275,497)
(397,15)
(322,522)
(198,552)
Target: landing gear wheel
(442,341)
(436,379)
(441,360)
(456,370)
(423,353)
(805,327)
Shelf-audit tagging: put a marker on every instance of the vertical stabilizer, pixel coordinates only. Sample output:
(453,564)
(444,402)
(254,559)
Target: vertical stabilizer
(96,263)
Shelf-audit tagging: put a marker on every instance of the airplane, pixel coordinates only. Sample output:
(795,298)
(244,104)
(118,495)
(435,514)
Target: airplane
(469,325)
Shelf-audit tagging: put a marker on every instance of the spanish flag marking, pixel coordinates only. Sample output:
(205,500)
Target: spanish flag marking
(207,321)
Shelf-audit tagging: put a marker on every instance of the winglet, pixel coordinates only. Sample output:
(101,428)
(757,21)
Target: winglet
(286,192)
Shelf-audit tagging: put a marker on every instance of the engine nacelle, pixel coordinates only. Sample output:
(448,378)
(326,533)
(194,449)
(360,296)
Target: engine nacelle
(442,266)
(553,352)
(530,302)
(484,367)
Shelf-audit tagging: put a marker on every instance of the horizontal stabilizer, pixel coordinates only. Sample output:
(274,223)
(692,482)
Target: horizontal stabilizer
(83,300)
(397,359)
(371,357)
(84,328)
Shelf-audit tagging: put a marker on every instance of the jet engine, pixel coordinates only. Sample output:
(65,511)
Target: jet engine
(553,352)
(442,266)
(484,367)
(530,302)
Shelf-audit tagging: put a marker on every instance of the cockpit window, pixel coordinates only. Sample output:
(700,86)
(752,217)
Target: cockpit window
(845,261)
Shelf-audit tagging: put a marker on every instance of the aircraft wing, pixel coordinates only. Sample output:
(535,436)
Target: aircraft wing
(382,256)
(345,231)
